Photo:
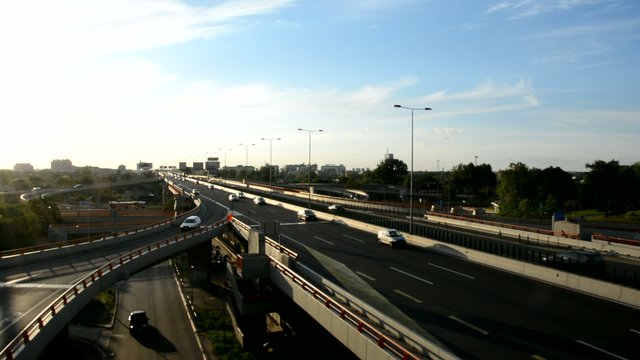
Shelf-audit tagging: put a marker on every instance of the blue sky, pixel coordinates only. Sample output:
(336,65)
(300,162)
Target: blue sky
(105,83)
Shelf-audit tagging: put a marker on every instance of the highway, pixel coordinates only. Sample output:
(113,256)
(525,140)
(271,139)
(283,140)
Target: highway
(476,311)
(28,289)
(169,335)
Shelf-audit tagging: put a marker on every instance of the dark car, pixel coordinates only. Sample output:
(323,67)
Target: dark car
(576,260)
(138,320)
(336,209)
(307,215)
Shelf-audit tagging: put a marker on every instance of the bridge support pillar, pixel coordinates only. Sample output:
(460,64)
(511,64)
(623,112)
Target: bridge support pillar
(198,262)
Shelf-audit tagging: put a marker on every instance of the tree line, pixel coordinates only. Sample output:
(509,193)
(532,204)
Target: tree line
(519,190)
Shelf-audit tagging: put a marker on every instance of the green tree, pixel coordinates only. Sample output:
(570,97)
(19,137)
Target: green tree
(611,187)
(390,172)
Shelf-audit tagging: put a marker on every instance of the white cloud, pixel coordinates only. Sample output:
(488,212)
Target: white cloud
(446,133)
(526,8)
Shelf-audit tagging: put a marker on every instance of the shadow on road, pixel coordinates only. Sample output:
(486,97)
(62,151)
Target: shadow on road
(151,338)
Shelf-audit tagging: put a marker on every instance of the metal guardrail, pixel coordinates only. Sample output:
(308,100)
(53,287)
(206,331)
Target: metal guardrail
(352,319)
(27,335)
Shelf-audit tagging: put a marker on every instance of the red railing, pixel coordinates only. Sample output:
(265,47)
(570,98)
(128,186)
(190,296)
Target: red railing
(383,341)
(492,223)
(33,328)
(613,239)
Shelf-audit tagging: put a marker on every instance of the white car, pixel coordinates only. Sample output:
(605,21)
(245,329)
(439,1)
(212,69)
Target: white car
(259,201)
(391,237)
(233,197)
(240,195)
(190,223)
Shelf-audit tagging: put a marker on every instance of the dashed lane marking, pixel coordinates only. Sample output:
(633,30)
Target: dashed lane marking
(469,325)
(321,239)
(366,276)
(411,275)
(452,271)
(408,296)
(353,238)
(601,350)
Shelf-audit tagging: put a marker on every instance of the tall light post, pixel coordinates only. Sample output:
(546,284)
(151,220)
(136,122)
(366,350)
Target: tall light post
(309,165)
(246,157)
(270,156)
(411,174)
(225,156)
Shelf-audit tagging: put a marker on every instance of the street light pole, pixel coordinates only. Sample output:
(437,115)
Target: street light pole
(246,157)
(309,165)
(411,174)
(225,155)
(270,156)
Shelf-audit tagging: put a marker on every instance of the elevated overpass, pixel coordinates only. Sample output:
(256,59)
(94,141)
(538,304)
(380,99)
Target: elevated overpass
(315,290)
(31,340)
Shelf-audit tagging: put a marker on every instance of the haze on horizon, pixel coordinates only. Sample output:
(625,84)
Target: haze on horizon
(103,83)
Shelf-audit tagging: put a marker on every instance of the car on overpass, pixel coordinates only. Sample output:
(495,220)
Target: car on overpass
(190,223)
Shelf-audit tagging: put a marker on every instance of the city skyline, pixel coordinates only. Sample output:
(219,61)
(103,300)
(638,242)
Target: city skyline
(542,82)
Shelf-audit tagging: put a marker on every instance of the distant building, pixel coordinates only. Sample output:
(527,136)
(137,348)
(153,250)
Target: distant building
(182,166)
(198,166)
(212,165)
(333,170)
(62,165)
(22,167)
(388,156)
(144,166)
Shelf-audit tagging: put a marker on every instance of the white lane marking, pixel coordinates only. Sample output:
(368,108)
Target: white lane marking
(28,277)
(408,296)
(601,350)
(366,276)
(321,239)
(538,357)
(452,271)
(635,331)
(352,238)
(411,275)
(36,286)
(471,326)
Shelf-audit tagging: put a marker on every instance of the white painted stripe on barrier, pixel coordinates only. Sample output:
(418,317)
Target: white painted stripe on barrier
(601,350)
(635,331)
(411,275)
(412,298)
(452,271)
(469,325)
